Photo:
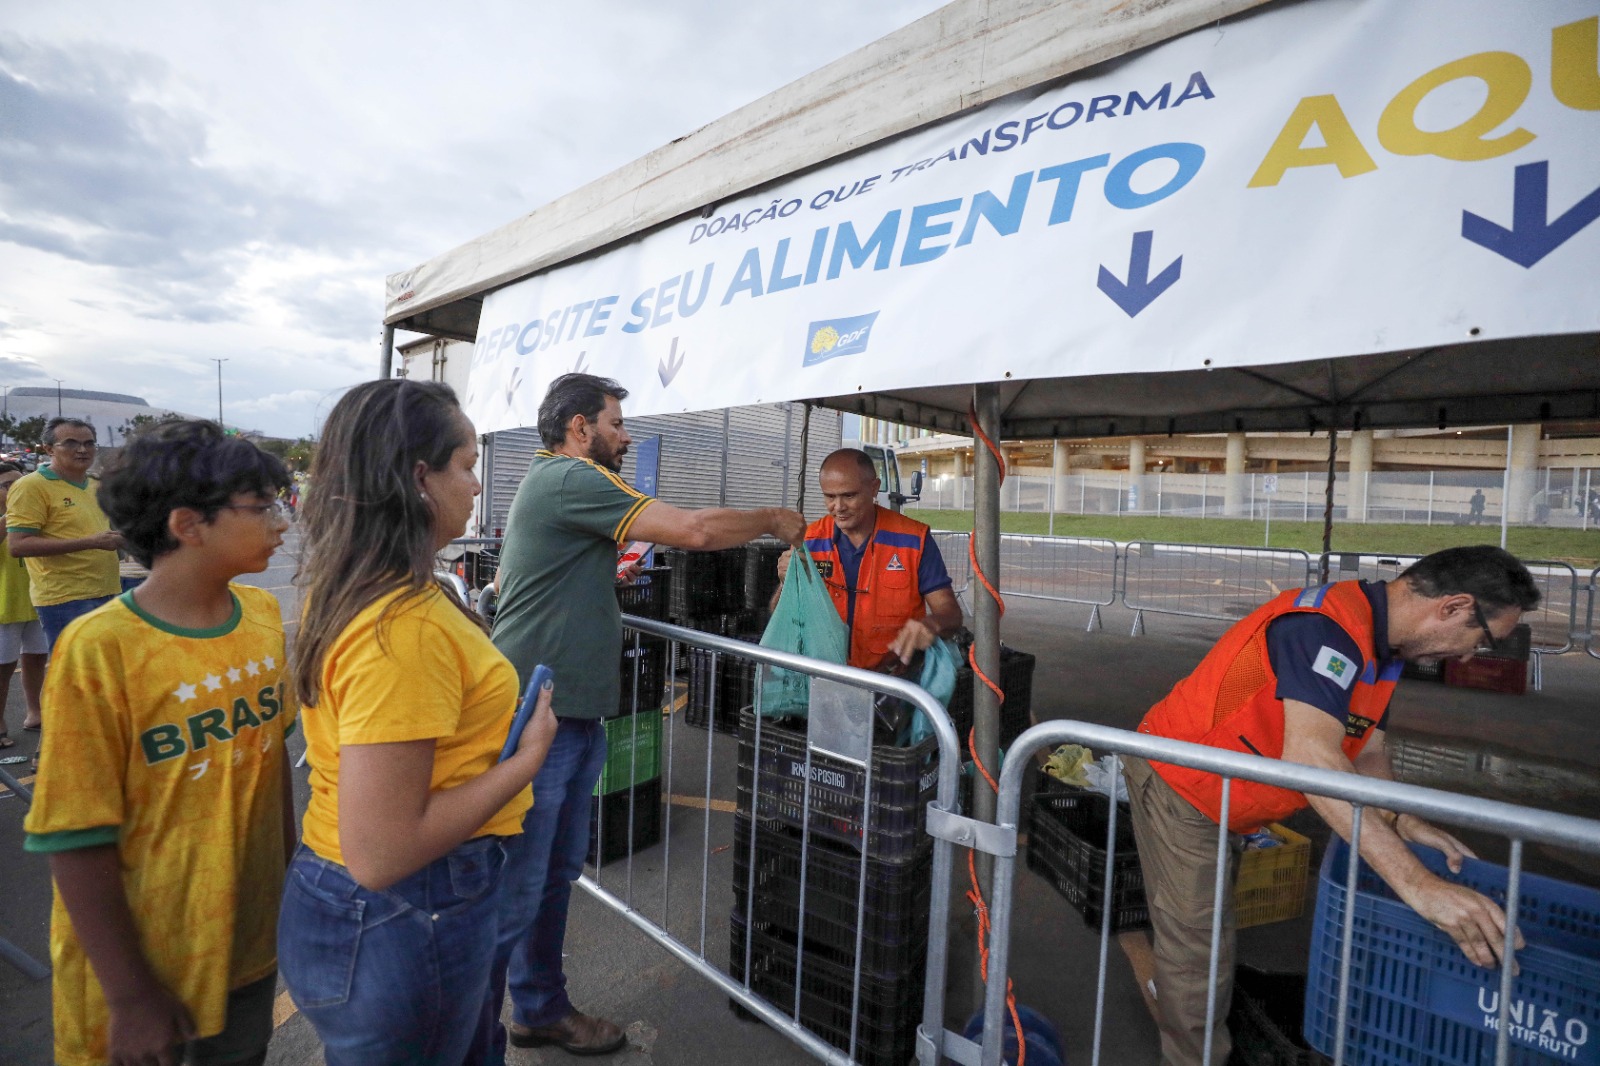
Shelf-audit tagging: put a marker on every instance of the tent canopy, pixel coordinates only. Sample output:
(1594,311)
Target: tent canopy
(1319,212)
(1527,379)
(962,56)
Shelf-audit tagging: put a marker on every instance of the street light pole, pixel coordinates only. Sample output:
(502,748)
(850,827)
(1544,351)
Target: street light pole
(219,363)
(58,395)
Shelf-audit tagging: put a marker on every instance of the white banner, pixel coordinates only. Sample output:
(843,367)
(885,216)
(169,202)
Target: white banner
(1319,179)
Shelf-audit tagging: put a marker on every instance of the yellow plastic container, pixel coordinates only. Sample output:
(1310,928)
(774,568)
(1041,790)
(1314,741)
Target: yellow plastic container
(1272,881)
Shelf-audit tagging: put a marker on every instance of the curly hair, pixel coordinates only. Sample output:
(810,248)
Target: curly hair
(180,463)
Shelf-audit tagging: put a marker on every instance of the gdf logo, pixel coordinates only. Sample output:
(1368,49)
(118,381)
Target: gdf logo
(832,338)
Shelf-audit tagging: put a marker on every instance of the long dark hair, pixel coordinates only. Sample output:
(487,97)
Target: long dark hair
(367,530)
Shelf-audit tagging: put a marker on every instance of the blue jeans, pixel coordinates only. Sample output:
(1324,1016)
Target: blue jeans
(395,976)
(57,616)
(541,865)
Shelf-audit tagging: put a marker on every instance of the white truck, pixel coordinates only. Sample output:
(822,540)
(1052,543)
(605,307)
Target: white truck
(888,465)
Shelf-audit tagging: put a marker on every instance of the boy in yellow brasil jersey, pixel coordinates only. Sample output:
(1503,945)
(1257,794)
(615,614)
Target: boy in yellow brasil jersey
(163,800)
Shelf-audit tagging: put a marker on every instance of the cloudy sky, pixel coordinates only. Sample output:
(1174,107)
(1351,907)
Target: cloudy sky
(183,181)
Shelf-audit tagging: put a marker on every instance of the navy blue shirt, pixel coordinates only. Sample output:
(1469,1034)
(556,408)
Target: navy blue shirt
(931,574)
(1318,663)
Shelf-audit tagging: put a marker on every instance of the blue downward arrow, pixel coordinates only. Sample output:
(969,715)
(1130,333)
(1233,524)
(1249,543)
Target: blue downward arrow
(1140,289)
(1531,237)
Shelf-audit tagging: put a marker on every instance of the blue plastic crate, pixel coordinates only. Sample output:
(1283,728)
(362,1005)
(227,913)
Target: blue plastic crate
(1416,1000)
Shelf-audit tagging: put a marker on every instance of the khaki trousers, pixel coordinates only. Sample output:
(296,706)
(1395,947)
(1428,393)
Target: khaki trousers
(1178,852)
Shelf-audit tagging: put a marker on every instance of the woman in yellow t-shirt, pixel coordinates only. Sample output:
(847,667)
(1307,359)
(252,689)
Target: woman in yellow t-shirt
(21,636)
(388,922)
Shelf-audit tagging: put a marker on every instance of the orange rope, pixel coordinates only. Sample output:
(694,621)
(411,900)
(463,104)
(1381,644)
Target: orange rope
(975,897)
(975,893)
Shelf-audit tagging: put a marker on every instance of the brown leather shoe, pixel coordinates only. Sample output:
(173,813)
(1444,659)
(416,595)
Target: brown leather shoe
(577,1034)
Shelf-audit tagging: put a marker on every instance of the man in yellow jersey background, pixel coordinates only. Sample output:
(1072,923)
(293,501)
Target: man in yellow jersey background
(558,607)
(54,521)
(21,637)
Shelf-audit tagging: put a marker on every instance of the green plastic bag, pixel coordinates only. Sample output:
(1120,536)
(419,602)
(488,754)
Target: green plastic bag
(939,665)
(805,622)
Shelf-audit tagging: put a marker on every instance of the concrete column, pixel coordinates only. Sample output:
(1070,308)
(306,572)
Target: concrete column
(1060,465)
(1136,487)
(1523,463)
(1236,487)
(1360,468)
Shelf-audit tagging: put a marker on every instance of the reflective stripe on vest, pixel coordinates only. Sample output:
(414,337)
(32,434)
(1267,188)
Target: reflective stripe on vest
(886,585)
(1229,702)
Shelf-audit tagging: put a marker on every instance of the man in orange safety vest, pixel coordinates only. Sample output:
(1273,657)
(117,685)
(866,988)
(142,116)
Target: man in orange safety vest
(1306,678)
(883,571)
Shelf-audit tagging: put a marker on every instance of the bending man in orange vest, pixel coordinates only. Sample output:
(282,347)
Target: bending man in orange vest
(883,571)
(1307,679)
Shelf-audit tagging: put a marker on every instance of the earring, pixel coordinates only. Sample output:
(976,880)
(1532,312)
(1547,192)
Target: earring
(424,496)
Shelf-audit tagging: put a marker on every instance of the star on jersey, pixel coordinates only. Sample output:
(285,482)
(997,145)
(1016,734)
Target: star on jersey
(254,668)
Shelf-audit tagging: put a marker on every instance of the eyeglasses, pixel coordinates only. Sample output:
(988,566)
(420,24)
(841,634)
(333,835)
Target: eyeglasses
(275,510)
(73,444)
(1483,624)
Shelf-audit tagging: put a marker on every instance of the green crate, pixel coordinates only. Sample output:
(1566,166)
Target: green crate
(621,769)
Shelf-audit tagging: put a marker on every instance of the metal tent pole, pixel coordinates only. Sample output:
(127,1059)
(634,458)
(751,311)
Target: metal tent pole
(805,440)
(385,361)
(1505,491)
(986,612)
(1327,504)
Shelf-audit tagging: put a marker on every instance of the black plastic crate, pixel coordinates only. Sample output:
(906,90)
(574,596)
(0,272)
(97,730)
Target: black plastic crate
(741,625)
(648,597)
(1016,681)
(904,782)
(705,583)
(1424,670)
(609,815)
(1518,645)
(643,667)
(1066,846)
(761,572)
(894,917)
(1265,1020)
(890,1005)
(728,678)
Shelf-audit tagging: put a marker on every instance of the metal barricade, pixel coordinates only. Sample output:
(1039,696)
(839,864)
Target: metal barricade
(1206,580)
(953,549)
(1591,642)
(477,557)
(25,964)
(453,582)
(821,777)
(1554,623)
(1519,825)
(1066,569)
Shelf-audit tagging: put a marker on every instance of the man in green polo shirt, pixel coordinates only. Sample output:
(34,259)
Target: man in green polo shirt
(54,521)
(558,606)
